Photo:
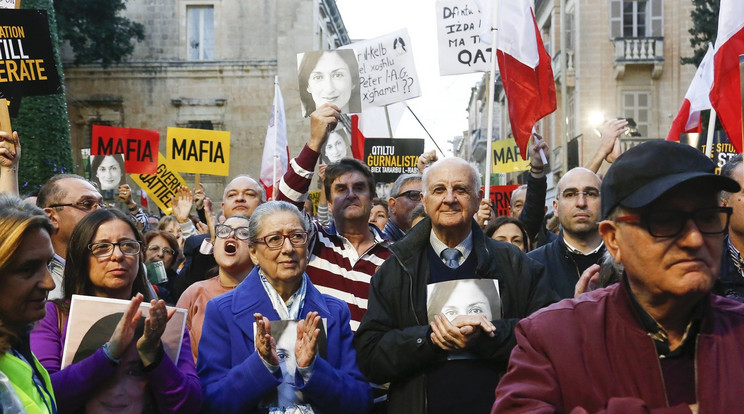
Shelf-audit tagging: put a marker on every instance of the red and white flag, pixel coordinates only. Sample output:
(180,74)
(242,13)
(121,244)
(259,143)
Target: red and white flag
(725,95)
(276,149)
(525,68)
(697,99)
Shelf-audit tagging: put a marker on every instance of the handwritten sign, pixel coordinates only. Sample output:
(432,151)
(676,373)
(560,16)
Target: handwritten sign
(27,65)
(10,4)
(386,70)
(199,151)
(139,146)
(506,157)
(388,158)
(501,198)
(458,34)
(161,187)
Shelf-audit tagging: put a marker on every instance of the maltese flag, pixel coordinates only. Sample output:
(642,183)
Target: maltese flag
(725,95)
(525,68)
(276,149)
(696,99)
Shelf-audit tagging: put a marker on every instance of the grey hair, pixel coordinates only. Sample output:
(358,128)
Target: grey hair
(474,174)
(272,207)
(728,171)
(401,181)
(261,189)
(516,191)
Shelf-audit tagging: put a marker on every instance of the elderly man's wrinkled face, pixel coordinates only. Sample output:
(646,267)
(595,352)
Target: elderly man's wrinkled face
(449,197)
(685,265)
(242,196)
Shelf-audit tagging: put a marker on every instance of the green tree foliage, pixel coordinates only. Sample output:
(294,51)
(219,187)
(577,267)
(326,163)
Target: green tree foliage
(42,124)
(704,28)
(96,32)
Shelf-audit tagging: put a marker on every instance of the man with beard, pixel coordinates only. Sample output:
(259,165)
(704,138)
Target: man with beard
(577,206)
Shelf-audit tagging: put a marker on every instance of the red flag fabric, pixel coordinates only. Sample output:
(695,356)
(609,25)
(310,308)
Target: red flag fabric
(696,100)
(357,139)
(725,95)
(525,68)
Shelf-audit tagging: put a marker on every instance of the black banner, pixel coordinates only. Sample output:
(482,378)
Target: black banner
(388,158)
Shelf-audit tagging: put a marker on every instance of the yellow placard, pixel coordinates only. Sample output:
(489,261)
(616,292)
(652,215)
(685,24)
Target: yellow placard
(199,151)
(315,196)
(506,157)
(161,187)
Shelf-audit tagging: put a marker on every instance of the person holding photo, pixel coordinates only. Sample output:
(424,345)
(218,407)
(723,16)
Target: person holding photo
(25,282)
(336,148)
(331,77)
(239,363)
(104,259)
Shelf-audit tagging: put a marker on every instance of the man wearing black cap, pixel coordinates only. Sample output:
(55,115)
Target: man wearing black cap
(658,341)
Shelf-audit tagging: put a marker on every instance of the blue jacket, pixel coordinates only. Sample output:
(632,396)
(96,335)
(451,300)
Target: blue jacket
(234,378)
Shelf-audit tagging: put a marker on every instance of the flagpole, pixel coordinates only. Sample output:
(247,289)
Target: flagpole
(276,133)
(711,127)
(490,79)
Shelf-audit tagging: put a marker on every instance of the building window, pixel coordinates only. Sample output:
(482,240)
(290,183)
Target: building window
(636,18)
(200,32)
(637,105)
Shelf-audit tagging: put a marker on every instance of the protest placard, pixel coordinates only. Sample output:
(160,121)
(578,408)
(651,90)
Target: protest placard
(199,151)
(387,73)
(721,149)
(506,157)
(388,158)
(92,320)
(107,171)
(458,34)
(329,76)
(10,4)
(161,187)
(139,146)
(500,196)
(27,65)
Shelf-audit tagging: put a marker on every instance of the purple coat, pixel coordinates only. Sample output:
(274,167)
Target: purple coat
(591,355)
(175,387)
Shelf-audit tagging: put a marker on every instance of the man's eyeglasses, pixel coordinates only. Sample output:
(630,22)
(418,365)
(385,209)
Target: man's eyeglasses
(166,250)
(712,220)
(413,195)
(589,194)
(85,205)
(105,249)
(223,231)
(276,241)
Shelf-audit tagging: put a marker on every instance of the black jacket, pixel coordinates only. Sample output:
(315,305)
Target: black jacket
(730,282)
(393,340)
(561,269)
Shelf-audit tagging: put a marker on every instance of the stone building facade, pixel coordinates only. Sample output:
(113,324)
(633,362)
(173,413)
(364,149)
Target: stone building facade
(207,64)
(623,60)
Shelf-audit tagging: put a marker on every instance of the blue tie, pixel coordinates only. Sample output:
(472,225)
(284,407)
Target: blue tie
(451,258)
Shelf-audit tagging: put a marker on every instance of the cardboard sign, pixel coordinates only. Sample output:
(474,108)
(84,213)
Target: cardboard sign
(386,70)
(199,151)
(388,158)
(458,33)
(93,319)
(506,157)
(161,187)
(27,65)
(500,196)
(314,196)
(139,146)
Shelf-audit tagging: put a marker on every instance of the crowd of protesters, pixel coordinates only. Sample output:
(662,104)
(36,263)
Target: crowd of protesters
(625,298)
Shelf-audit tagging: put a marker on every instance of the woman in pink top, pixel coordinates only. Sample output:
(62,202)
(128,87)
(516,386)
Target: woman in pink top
(233,258)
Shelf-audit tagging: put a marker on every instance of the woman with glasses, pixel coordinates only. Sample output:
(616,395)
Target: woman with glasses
(239,366)
(234,263)
(162,246)
(25,252)
(104,259)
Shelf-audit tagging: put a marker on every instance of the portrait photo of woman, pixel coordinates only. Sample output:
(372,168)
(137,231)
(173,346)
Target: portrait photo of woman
(464,297)
(337,147)
(330,76)
(107,171)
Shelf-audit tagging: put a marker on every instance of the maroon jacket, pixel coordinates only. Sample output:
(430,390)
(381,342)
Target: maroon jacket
(590,355)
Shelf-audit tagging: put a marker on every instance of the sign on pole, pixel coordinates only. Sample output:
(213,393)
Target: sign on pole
(500,196)
(197,151)
(387,73)
(506,157)
(458,35)
(161,187)
(388,158)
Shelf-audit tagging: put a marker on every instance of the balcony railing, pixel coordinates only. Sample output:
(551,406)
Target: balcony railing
(639,50)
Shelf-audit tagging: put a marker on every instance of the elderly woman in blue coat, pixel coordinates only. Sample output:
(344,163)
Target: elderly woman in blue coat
(241,369)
